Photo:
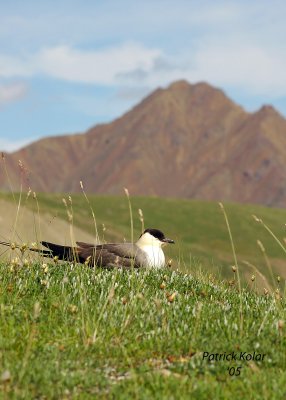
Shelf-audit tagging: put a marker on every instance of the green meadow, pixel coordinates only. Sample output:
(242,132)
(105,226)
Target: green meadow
(71,332)
(186,331)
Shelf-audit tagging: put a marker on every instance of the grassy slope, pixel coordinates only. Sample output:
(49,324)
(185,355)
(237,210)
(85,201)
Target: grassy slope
(70,332)
(109,334)
(198,228)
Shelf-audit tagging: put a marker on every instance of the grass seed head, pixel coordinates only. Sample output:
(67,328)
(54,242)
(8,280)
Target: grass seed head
(26,263)
(87,261)
(15,262)
(278,295)
(21,166)
(260,245)
(221,205)
(24,247)
(44,282)
(256,219)
(141,217)
(45,268)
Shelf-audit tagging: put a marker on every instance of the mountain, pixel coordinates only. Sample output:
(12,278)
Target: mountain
(186,140)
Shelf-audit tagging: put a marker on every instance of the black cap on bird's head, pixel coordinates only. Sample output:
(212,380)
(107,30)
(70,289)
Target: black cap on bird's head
(158,235)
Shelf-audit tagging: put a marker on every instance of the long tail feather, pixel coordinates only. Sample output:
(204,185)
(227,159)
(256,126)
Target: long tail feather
(65,253)
(46,253)
(5,243)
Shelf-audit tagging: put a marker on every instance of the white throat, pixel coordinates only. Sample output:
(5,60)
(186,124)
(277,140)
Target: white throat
(152,247)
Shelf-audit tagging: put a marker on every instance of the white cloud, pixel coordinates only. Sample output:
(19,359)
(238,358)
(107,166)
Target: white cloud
(226,62)
(12,92)
(255,69)
(238,60)
(63,62)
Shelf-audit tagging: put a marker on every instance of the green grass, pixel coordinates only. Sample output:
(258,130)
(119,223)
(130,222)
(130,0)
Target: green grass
(198,228)
(71,332)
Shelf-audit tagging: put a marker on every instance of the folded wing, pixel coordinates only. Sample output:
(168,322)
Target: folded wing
(111,255)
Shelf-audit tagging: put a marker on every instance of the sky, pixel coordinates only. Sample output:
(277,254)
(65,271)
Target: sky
(67,65)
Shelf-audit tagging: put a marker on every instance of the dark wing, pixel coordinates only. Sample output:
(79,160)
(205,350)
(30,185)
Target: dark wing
(65,253)
(112,255)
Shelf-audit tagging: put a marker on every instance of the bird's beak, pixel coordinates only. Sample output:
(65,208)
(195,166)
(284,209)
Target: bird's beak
(166,240)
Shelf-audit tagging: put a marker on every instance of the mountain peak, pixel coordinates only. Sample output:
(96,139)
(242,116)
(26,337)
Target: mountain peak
(185,140)
(183,85)
(268,109)
(201,91)
(179,85)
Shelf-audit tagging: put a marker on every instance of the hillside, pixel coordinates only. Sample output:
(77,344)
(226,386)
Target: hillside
(146,333)
(198,228)
(187,141)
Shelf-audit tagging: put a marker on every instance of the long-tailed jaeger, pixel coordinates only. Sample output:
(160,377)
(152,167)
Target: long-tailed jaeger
(146,252)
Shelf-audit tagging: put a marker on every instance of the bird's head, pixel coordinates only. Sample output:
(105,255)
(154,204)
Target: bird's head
(153,237)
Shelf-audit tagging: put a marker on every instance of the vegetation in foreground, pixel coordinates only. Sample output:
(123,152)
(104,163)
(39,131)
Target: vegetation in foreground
(71,332)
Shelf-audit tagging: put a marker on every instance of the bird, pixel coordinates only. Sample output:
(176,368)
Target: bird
(146,252)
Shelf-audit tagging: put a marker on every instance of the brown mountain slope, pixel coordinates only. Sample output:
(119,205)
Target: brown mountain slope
(184,141)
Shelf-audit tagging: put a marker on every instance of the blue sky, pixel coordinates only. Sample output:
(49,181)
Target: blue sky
(67,65)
